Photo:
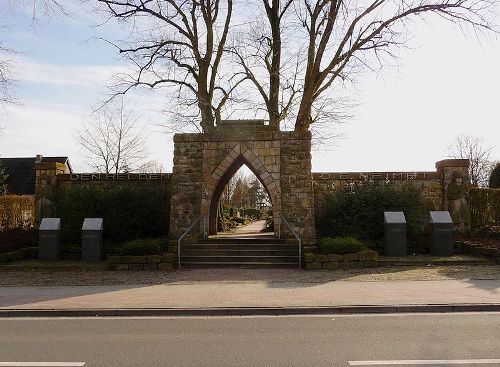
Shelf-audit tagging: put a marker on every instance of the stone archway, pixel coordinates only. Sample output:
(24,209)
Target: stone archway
(203,163)
(239,155)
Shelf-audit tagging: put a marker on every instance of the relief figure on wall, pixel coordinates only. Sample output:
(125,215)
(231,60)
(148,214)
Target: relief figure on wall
(458,202)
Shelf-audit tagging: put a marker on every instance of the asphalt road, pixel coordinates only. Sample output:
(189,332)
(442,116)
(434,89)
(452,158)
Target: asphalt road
(461,339)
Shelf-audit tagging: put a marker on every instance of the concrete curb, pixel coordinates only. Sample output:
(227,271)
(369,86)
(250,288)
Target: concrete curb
(251,311)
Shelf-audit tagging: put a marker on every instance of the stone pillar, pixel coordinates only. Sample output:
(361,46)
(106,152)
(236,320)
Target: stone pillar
(46,187)
(185,199)
(297,184)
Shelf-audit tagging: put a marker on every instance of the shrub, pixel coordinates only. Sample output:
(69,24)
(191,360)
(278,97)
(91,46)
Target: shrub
(484,207)
(358,210)
(17,212)
(142,247)
(495,177)
(252,213)
(15,239)
(129,211)
(340,245)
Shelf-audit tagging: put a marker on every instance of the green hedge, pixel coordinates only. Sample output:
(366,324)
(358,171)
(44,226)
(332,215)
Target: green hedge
(484,207)
(143,247)
(340,245)
(494,182)
(129,211)
(358,210)
(21,254)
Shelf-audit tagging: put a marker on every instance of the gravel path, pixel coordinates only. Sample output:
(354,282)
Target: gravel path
(17,278)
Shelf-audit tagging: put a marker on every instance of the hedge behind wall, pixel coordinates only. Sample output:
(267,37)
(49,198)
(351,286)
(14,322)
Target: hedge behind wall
(129,211)
(484,207)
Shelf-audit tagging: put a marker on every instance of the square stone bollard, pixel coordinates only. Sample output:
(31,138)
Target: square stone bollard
(441,233)
(92,239)
(395,234)
(49,239)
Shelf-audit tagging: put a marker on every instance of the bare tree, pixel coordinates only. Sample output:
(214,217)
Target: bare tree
(44,7)
(293,58)
(113,141)
(269,63)
(472,148)
(344,36)
(179,44)
(6,78)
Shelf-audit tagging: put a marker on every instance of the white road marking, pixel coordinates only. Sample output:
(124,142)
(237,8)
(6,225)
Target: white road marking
(424,362)
(42,364)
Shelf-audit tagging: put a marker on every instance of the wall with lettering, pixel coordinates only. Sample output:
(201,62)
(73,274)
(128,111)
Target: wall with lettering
(430,182)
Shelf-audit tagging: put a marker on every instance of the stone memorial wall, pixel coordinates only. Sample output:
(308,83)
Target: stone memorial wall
(204,163)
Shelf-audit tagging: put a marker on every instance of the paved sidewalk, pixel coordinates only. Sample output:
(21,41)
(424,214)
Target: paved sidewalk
(251,294)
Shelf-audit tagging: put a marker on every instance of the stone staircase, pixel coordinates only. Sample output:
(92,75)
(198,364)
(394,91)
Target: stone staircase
(240,252)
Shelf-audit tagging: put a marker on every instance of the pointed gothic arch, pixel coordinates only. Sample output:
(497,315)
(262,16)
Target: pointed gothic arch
(238,156)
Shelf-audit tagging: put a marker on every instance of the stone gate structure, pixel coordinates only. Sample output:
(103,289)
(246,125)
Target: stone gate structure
(204,164)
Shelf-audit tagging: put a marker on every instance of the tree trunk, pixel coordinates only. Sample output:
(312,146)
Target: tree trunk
(273,14)
(304,118)
(204,102)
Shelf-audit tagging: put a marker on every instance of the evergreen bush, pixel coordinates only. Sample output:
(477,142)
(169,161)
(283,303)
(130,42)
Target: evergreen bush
(142,247)
(358,210)
(495,177)
(129,211)
(340,245)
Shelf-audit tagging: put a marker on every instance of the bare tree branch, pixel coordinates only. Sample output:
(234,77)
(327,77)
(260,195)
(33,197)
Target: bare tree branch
(472,148)
(113,141)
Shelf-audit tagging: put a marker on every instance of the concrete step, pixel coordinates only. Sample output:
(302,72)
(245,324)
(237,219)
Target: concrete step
(241,264)
(233,246)
(239,259)
(238,252)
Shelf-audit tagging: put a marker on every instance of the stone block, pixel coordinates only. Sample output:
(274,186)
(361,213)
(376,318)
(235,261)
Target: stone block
(333,257)
(370,264)
(316,265)
(168,257)
(112,259)
(368,255)
(308,257)
(395,234)
(122,266)
(441,241)
(165,266)
(154,259)
(138,259)
(344,265)
(307,249)
(126,259)
(151,266)
(355,264)
(350,257)
(49,243)
(136,266)
(92,239)
(331,265)
(322,258)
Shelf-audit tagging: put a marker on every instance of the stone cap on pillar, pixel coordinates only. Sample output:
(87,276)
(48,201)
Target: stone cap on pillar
(440,217)
(50,224)
(394,218)
(92,224)
(452,163)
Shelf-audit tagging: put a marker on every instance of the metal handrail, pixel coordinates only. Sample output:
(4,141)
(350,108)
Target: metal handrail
(298,239)
(179,242)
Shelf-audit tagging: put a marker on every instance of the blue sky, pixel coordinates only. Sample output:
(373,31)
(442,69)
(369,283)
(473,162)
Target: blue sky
(447,83)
